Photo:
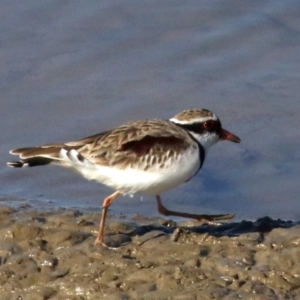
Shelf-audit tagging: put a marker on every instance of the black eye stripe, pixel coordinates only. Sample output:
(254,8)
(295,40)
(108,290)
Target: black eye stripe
(199,127)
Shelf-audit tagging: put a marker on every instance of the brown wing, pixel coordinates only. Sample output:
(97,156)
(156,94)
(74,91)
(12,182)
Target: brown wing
(138,144)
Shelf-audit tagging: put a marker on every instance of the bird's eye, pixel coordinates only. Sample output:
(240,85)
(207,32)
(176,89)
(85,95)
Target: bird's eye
(209,125)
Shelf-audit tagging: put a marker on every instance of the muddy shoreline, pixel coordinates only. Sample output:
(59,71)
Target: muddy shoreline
(51,255)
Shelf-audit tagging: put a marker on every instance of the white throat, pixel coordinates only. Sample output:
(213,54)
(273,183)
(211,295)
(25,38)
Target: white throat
(206,139)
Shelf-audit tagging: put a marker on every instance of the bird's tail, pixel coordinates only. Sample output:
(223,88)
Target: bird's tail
(36,156)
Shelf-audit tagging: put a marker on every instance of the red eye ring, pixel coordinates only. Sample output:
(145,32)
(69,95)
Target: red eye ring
(208,125)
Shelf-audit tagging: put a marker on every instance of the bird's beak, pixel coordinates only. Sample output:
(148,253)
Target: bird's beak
(226,135)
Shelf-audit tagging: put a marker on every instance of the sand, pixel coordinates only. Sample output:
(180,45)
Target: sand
(51,255)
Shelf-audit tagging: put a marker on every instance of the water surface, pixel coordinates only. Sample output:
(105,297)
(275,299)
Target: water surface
(72,69)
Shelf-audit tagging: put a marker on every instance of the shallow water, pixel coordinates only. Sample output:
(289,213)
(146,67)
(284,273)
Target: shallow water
(68,70)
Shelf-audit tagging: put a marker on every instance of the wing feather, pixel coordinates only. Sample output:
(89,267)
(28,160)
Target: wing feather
(140,144)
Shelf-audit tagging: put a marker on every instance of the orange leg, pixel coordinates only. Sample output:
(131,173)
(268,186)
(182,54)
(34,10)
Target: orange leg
(106,203)
(164,211)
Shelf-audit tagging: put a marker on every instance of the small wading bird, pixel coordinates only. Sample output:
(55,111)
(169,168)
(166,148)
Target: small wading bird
(147,157)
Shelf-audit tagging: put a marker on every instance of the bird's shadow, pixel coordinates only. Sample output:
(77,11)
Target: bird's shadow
(261,225)
(145,233)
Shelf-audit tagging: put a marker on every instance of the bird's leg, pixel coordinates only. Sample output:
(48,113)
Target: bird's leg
(106,203)
(164,211)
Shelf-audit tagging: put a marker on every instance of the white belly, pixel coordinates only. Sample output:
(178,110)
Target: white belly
(154,181)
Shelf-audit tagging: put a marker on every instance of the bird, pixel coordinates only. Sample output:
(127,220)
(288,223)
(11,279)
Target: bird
(146,157)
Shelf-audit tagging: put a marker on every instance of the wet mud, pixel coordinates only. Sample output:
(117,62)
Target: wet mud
(51,255)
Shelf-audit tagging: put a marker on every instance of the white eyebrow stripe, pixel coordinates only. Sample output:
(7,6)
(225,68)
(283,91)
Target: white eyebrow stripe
(194,120)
